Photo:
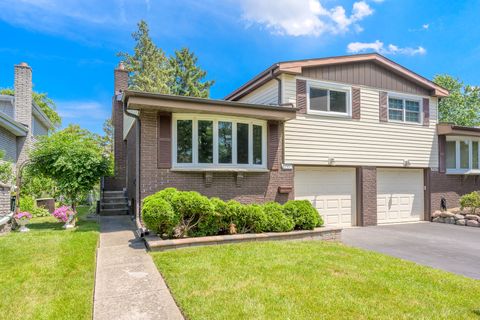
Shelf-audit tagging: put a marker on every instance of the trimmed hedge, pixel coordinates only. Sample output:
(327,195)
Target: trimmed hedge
(173,213)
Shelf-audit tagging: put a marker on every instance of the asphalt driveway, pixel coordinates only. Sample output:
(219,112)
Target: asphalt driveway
(449,247)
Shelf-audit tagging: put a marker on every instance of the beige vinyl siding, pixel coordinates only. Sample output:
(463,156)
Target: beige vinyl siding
(289,88)
(266,94)
(312,139)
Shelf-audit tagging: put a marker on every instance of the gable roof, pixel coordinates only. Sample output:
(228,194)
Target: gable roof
(295,67)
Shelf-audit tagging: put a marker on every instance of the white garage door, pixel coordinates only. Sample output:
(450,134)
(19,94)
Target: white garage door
(400,195)
(330,190)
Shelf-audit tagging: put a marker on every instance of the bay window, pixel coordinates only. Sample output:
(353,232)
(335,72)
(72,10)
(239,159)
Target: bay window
(216,142)
(404,109)
(462,155)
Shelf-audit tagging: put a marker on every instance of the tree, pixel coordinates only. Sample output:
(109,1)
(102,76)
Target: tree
(148,67)
(187,76)
(462,106)
(73,158)
(42,100)
(107,138)
(6,169)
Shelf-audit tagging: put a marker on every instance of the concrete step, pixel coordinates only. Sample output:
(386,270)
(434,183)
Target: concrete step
(113,212)
(114,205)
(114,193)
(113,199)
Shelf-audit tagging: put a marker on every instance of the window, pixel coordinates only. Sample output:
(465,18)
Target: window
(404,110)
(204,142)
(462,155)
(323,99)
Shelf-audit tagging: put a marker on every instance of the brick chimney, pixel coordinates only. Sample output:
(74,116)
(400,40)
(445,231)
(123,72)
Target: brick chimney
(120,76)
(23,108)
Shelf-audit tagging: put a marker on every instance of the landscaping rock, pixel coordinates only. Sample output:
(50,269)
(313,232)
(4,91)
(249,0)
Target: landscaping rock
(447,214)
(436,214)
(471,217)
(459,217)
(439,220)
(461,222)
(455,210)
(473,223)
(451,220)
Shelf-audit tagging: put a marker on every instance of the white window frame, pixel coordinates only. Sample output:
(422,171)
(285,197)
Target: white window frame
(458,169)
(404,98)
(330,86)
(216,165)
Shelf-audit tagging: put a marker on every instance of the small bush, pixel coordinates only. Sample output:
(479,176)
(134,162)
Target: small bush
(166,194)
(40,212)
(303,214)
(159,217)
(27,203)
(470,200)
(210,224)
(244,218)
(192,208)
(277,221)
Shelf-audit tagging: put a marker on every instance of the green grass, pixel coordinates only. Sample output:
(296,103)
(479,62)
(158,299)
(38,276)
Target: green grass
(311,280)
(48,273)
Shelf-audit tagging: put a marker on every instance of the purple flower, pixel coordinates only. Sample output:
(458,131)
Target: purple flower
(63,213)
(23,215)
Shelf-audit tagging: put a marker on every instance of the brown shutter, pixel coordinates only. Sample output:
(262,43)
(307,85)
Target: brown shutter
(383,107)
(302,96)
(356,103)
(273,142)
(164,141)
(442,141)
(426,112)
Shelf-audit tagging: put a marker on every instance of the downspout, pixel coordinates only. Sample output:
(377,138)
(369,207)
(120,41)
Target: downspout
(141,231)
(279,95)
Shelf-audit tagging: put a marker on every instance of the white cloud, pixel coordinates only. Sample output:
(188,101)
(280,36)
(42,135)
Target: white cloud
(378,46)
(425,26)
(80,110)
(304,17)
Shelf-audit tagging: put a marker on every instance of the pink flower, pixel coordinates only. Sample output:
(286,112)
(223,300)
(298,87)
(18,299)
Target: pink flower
(63,213)
(23,215)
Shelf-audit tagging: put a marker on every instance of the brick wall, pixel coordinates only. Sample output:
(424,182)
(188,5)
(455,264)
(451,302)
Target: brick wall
(23,108)
(452,187)
(367,196)
(245,187)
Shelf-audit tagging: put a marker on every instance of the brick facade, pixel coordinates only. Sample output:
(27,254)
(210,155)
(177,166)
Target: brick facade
(246,187)
(367,196)
(23,108)
(452,187)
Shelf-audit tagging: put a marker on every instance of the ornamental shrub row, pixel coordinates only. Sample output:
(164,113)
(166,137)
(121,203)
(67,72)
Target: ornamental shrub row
(175,214)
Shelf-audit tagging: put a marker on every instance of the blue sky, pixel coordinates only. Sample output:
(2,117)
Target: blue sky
(72,45)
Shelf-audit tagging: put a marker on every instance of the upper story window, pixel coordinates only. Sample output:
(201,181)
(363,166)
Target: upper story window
(462,155)
(206,142)
(404,109)
(328,99)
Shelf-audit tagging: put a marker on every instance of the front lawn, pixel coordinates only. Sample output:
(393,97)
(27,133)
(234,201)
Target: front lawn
(311,280)
(48,273)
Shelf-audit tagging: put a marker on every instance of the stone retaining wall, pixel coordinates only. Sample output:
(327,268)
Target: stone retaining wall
(458,217)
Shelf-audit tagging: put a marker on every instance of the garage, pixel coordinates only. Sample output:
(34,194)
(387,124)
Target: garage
(400,195)
(330,190)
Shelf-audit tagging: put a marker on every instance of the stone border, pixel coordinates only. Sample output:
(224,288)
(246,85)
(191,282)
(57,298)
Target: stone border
(155,243)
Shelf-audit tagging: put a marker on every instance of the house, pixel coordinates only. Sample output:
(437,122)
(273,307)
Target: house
(355,135)
(21,119)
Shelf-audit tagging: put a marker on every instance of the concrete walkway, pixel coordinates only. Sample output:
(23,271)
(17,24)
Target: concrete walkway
(127,283)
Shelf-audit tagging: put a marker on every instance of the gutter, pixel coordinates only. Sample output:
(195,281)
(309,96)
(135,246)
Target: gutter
(141,231)
(279,81)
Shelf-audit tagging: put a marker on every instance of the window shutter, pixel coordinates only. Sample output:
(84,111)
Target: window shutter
(273,143)
(164,148)
(356,103)
(383,107)
(442,141)
(426,112)
(302,96)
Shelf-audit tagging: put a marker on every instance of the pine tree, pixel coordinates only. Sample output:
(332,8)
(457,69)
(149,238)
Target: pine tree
(187,77)
(148,66)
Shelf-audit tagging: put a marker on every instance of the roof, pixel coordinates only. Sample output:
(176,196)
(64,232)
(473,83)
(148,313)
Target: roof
(183,104)
(446,129)
(36,111)
(12,126)
(295,67)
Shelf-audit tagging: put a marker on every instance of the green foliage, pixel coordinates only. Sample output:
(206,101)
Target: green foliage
(303,214)
(462,106)
(192,208)
(165,194)
(39,212)
(73,158)
(211,224)
(470,200)
(187,76)
(36,185)
(6,169)
(277,221)
(28,203)
(245,218)
(159,217)
(151,70)
(42,100)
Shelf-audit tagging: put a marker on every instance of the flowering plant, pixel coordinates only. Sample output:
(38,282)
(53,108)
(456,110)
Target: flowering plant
(63,213)
(23,215)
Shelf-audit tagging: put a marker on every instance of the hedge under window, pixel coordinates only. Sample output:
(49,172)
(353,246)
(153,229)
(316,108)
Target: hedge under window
(203,142)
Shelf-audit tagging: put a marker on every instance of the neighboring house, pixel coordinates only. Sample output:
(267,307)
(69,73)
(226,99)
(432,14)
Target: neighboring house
(21,120)
(355,135)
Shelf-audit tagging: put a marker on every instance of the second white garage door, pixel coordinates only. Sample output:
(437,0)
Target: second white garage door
(331,191)
(399,195)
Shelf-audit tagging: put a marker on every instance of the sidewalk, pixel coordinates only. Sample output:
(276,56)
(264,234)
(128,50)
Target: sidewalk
(127,283)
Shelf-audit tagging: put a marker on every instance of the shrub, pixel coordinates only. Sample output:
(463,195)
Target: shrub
(27,203)
(191,208)
(470,200)
(277,221)
(166,194)
(210,224)
(40,212)
(245,218)
(303,214)
(159,217)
